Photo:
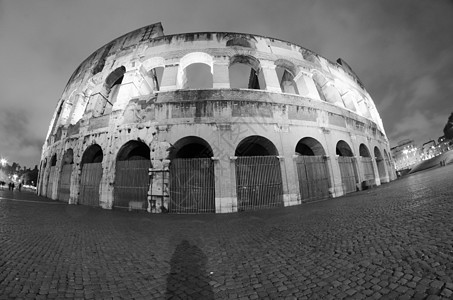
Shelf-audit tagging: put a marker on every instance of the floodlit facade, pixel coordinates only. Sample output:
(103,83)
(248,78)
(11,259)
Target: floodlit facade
(211,122)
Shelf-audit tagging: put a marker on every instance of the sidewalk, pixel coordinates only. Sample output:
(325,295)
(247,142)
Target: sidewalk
(392,241)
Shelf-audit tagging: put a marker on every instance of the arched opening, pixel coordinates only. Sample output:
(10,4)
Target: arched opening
(191,147)
(348,169)
(152,71)
(367,167)
(131,183)
(245,73)
(64,185)
(240,42)
(363,151)
(380,162)
(93,154)
(156,78)
(197,76)
(51,176)
(195,71)
(256,146)
(312,170)
(285,73)
(309,147)
(343,149)
(192,181)
(110,91)
(258,174)
(90,178)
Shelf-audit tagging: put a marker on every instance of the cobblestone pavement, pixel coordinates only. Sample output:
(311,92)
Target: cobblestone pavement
(390,242)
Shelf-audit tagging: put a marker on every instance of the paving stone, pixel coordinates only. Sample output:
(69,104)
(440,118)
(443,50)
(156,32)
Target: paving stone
(385,243)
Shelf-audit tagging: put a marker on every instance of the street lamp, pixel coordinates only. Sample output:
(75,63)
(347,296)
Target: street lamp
(3,162)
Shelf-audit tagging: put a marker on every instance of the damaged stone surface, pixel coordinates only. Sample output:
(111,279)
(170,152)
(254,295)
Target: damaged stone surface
(135,89)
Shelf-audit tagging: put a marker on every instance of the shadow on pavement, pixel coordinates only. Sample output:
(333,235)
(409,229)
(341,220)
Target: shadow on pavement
(188,278)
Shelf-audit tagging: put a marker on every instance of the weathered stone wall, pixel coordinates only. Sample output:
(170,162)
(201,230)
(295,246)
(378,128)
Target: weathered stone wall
(113,98)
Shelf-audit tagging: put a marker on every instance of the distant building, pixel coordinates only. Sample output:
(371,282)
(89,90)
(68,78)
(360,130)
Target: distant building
(405,154)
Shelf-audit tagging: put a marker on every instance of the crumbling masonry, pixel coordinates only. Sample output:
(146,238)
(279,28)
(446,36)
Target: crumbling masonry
(211,122)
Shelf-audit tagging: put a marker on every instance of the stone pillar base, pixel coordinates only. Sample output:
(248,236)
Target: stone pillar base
(226,205)
(336,191)
(291,199)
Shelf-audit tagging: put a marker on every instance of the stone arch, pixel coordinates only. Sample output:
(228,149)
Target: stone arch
(192,179)
(343,149)
(191,147)
(240,41)
(258,174)
(152,71)
(93,154)
(53,160)
(111,88)
(286,72)
(90,178)
(256,146)
(367,166)
(132,179)
(245,72)
(312,170)
(133,150)
(309,146)
(363,151)
(204,78)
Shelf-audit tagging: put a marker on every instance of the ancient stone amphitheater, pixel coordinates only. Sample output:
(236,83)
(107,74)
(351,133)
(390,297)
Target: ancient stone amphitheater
(211,122)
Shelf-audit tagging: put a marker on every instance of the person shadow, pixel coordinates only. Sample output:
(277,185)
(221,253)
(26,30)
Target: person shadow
(188,278)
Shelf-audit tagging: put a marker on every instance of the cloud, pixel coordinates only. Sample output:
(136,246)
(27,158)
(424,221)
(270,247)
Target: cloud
(18,142)
(420,126)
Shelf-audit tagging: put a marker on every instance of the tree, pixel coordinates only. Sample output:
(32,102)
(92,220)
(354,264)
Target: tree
(448,129)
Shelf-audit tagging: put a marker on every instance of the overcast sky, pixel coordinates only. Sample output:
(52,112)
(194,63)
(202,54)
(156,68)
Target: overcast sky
(402,50)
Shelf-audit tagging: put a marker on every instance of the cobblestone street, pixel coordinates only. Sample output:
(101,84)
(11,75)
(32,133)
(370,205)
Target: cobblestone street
(391,242)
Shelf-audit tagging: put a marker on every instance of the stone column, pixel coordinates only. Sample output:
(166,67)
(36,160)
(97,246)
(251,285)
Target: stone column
(270,76)
(225,200)
(336,183)
(127,91)
(306,86)
(221,74)
(377,178)
(169,77)
(233,199)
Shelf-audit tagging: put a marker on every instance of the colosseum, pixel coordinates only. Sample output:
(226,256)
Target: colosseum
(211,122)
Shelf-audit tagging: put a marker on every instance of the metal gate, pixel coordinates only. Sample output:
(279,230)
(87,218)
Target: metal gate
(313,177)
(258,182)
(89,184)
(348,174)
(131,184)
(192,186)
(65,183)
(368,171)
(50,180)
